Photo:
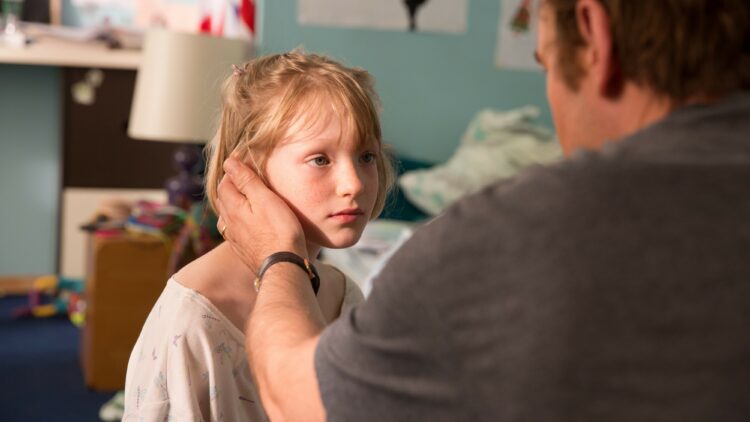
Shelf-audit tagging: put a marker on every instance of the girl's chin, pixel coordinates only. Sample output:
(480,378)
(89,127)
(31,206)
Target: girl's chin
(341,242)
(341,245)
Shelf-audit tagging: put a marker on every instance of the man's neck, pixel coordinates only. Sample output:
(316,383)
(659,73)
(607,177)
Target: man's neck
(634,110)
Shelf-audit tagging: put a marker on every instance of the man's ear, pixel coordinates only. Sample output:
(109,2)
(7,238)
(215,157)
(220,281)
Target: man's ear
(597,55)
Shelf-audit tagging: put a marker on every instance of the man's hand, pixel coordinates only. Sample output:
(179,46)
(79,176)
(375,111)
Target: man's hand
(285,325)
(253,219)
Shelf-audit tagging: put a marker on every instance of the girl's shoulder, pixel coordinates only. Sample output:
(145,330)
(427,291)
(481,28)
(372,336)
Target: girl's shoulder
(185,325)
(338,292)
(179,307)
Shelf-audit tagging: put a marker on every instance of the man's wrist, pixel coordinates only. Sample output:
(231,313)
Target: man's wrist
(294,246)
(286,257)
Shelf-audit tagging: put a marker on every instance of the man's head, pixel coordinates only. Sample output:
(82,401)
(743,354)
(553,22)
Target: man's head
(615,66)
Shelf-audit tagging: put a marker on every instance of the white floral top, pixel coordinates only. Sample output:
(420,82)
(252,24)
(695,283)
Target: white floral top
(189,362)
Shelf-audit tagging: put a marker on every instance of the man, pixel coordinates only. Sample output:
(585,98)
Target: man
(614,286)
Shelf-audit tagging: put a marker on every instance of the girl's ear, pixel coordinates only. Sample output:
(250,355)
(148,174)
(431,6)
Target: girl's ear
(597,56)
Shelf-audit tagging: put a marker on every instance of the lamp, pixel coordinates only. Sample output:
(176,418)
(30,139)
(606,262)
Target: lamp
(177,98)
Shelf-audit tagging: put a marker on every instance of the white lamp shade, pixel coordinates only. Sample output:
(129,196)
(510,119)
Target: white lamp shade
(178,87)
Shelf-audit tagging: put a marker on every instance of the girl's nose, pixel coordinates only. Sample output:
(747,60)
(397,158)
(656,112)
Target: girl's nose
(349,180)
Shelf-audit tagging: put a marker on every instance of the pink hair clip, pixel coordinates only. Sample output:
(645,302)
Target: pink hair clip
(237,70)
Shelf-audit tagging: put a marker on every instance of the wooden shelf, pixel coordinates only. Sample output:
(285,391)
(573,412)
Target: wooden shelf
(49,51)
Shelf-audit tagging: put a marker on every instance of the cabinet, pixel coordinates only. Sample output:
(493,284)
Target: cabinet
(125,276)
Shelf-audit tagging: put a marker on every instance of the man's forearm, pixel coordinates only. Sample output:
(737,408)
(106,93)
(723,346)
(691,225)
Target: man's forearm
(282,334)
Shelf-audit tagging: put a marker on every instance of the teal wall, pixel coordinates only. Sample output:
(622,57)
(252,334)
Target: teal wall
(430,84)
(29,168)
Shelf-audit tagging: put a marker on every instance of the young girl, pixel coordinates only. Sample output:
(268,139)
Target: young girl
(309,127)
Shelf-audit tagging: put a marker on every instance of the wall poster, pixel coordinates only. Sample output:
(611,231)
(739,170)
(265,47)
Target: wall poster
(517,35)
(395,15)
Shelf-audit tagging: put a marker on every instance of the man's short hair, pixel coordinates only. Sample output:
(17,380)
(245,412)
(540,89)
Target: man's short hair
(678,48)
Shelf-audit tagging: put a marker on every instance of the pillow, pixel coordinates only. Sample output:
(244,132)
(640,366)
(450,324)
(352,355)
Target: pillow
(496,145)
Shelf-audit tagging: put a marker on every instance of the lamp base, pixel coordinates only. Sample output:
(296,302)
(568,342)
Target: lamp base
(186,188)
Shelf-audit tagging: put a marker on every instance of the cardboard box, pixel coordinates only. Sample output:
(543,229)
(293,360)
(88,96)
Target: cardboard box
(126,275)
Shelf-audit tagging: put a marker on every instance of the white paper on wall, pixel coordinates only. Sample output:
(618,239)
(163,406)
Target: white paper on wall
(429,15)
(173,14)
(95,13)
(228,18)
(99,3)
(517,35)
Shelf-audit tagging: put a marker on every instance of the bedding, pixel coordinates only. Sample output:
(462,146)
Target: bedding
(496,145)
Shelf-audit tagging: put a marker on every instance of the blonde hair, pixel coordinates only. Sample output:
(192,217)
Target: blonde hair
(265,96)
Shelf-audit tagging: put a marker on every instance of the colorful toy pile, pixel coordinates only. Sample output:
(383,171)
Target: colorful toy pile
(51,296)
(190,233)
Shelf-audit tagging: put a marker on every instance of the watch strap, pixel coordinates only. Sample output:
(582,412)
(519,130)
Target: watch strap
(293,258)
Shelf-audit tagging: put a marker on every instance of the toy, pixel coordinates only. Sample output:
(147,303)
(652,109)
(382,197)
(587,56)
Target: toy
(197,236)
(51,296)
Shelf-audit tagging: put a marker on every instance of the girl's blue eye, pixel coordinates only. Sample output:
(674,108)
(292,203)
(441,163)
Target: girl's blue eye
(368,158)
(319,161)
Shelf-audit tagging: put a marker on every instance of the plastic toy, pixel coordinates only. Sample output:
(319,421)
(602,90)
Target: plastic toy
(51,296)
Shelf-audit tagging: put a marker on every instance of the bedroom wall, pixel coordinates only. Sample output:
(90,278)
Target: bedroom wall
(29,168)
(430,84)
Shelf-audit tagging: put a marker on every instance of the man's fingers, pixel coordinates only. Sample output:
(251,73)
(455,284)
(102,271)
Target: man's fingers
(243,178)
(218,204)
(230,202)
(229,197)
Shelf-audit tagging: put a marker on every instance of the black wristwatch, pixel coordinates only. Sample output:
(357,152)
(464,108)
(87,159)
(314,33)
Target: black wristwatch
(293,258)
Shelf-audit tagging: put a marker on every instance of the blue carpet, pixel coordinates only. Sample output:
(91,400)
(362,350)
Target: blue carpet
(40,372)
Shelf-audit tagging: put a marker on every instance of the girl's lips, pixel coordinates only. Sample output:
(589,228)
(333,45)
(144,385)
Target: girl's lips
(349,211)
(347,216)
